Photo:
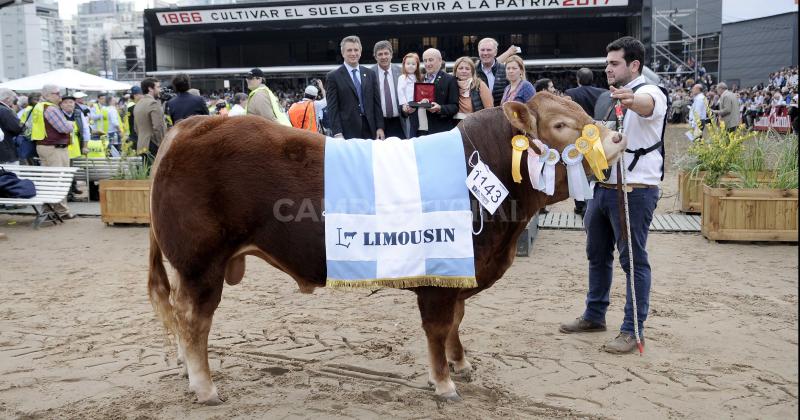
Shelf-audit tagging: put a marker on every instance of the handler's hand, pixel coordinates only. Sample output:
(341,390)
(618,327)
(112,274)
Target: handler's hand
(380,135)
(408,110)
(435,108)
(624,95)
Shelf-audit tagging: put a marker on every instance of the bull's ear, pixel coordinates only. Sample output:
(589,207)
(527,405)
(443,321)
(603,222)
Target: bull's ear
(520,117)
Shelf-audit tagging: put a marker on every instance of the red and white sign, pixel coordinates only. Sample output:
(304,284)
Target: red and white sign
(778,120)
(372,9)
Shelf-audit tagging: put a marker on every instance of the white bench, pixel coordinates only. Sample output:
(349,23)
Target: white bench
(52,186)
(96,169)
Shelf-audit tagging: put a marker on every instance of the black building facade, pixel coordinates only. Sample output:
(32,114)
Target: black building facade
(306,33)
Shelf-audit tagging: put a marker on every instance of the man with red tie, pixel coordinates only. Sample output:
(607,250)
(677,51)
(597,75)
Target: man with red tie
(387,75)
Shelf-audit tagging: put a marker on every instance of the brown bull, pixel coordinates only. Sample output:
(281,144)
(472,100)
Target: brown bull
(216,184)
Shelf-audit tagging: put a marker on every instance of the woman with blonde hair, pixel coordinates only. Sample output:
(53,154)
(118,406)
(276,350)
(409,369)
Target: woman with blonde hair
(412,119)
(473,94)
(518,88)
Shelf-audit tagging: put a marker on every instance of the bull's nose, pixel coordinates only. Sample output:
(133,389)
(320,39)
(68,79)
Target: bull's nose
(617,138)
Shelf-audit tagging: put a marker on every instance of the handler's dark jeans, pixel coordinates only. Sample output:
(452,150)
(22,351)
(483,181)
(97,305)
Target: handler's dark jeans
(603,230)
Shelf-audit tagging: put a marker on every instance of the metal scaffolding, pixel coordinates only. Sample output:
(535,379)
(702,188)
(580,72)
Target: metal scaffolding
(696,50)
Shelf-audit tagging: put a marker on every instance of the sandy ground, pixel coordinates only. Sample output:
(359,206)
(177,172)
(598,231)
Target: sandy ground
(78,338)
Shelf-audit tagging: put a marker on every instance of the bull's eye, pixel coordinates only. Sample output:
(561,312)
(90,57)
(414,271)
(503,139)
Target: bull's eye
(560,125)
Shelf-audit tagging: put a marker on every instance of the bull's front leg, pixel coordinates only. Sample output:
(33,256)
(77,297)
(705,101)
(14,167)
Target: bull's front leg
(454,349)
(436,307)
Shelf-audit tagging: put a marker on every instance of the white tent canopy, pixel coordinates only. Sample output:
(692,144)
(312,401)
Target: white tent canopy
(65,78)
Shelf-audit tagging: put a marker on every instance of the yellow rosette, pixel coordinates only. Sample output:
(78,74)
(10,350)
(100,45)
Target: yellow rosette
(589,145)
(519,144)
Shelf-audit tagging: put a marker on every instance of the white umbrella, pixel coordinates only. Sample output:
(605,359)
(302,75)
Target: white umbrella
(65,78)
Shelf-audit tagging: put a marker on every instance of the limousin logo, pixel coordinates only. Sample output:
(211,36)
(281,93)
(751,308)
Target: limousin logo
(402,238)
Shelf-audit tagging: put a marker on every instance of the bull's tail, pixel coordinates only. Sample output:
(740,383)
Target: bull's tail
(158,287)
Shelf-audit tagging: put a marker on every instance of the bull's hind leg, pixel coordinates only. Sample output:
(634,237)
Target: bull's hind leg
(436,306)
(454,349)
(195,302)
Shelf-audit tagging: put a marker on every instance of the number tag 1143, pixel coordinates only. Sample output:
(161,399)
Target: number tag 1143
(485,186)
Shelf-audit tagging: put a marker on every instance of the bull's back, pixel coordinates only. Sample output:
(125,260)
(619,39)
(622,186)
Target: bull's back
(224,183)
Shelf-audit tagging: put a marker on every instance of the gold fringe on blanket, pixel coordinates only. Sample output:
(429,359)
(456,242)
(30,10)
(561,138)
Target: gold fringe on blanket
(403,282)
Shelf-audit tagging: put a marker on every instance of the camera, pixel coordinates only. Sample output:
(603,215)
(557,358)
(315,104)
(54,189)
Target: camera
(166,94)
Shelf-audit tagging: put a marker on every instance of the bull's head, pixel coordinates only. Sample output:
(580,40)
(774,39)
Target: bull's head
(558,122)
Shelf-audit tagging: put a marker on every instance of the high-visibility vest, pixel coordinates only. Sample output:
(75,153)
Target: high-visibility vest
(24,119)
(38,131)
(74,147)
(303,115)
(276,106)
(97,148)
(103,111)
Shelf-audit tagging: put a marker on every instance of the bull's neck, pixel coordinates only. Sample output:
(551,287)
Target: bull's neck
(490,134)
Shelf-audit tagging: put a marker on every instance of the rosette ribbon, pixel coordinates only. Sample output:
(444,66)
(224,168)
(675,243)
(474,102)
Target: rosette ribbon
(576,179)
(590,146)
(519,144)
(535,163)
(549,174)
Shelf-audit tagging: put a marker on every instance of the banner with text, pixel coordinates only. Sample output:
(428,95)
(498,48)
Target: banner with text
(371,9)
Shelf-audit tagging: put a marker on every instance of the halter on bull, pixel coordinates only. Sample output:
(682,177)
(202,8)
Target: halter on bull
(216,181)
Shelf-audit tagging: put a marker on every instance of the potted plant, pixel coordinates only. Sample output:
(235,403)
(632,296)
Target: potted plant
(125,198)
(752,206)
(715,155)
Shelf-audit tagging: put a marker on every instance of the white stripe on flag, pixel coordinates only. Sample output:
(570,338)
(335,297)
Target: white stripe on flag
(396,178)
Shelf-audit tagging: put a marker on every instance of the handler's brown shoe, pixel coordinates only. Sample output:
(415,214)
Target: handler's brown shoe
(580,325)
(623,343)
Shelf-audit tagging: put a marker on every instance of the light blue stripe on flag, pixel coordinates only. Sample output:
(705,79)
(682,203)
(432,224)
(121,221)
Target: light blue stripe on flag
(440,162)
(461,267)
(352,270)
(349,184)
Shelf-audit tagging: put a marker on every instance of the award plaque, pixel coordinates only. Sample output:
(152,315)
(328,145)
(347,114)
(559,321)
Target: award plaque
(423,91)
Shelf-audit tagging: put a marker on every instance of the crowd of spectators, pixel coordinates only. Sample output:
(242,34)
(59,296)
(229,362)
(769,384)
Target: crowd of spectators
(776,94)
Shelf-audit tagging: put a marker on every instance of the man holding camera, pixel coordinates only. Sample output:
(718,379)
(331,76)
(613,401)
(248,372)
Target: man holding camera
(148,117)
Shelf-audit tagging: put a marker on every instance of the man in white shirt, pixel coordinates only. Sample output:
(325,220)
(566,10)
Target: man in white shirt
(698,112)
(387,75)
(644,121)
(492,72)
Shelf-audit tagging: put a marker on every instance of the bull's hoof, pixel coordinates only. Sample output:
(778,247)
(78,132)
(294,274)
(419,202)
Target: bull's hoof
(211,401)
(450,396)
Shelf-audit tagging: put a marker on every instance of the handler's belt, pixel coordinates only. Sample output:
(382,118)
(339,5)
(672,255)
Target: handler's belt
(630,186)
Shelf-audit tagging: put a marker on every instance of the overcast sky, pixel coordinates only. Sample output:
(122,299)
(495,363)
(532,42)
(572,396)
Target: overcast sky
(732,10)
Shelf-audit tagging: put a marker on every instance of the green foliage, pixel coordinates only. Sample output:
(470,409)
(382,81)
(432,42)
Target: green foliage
(719,152)
(786,166)
(134,168)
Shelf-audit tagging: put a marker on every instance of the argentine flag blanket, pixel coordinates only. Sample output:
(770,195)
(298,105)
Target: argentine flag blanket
(397,213)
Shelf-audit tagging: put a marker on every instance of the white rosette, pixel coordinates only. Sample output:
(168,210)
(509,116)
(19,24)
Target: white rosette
(549,174)
(576,178)
(535,164)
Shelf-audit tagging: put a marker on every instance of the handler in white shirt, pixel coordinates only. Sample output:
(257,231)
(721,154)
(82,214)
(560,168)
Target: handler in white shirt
(698,114)
(643,123)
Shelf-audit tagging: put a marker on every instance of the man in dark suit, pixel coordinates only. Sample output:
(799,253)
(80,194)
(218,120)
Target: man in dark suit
(445,104)
(387,75)
(354,103)
(585,94)
(184,104)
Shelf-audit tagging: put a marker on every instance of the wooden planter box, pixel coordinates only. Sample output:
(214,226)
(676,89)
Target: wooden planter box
(690,188)
(756,214)
(125,201)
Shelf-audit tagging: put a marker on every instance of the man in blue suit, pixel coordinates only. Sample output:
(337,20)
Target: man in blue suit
(354,105)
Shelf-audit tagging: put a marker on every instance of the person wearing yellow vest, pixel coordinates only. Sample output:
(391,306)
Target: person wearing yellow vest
(305,114)
(77,144)
(51,131)
(262,101)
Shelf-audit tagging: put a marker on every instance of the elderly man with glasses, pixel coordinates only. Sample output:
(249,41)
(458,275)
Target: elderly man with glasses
(51,131)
